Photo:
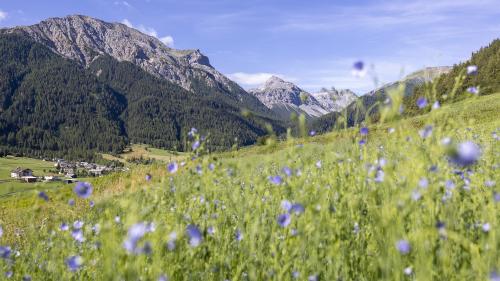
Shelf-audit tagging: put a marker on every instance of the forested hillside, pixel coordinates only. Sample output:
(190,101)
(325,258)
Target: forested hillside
(50,106)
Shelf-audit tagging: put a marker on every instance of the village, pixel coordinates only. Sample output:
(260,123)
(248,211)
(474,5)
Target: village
(64,171)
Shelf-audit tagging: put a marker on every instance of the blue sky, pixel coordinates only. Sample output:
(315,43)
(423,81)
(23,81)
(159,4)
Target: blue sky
(311,43)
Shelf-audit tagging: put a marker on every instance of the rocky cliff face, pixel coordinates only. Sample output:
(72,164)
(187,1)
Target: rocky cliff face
(334,100)
(83,39)
(283,98)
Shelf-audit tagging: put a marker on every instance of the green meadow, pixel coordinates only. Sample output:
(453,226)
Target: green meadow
(393,207)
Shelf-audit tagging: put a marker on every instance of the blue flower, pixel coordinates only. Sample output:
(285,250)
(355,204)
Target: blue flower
(148,177)
(195,145)
(71,202)
(74,263)
(318,164)
(473,90)
(362,142)
(91,204)
(43,195)
(172,167)
(192,132)
(238,235)
(277,180)
(471,69)
(194,234)
(163,277)
(211,166)
(421,102)
(297,209)
(83,189)
(358,69)
(426,132)
(77,234)
(78,224)
(423,183)
(5,252)
(466,153)
(312,133)
(379,177)
(486,227)
(403,247)
(286,205)
(134,234)
(363,131)
(287,171)
(171,240)
(436,105)
(211,230)
(64,227)
(284,220)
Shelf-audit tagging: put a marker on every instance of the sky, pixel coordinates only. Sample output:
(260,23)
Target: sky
(311,43)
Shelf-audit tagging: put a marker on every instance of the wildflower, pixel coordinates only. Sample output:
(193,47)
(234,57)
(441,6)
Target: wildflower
(287,171)
(436,105)
(449,184)
(312,278)
(238,235)
(356,228)
(74,263)
(135,233)
(194,234)
(91,204)
(486,227)
(446,141)
(77,234)
(473,90)
(489,183)
(117,219)
(284,220)
(423,183)
(363,131)
(78,224)
(466,153)
(43,196)
(171,241)
(163,277)
(362,142)
(83,189)
(358,69)
(277,180)
(312,133)
(199,169)
(64,227)
(5,252)
(297,209)
(195,145)
(415,195)
(295,274)
(96,228)
(421,102)
(391,130)
(172,167)
(211,166)
(471,69)
(403,247)
(408,271)
(494,276)
(192,132)
(9,274)
(286,205)
(379,176)
(426,132)
(71,202)
(211,230)
(318,164)
(148,177)
(496,197)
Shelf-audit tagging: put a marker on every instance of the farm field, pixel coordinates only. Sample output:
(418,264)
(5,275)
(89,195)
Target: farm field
(393,201)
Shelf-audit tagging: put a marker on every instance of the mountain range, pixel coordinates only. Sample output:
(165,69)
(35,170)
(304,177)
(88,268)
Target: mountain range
(77,85)
(285,98)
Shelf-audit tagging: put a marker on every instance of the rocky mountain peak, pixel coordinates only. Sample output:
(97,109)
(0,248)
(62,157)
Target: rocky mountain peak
(83,39)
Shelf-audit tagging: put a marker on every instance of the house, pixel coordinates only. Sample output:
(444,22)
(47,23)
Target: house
(29,179)
(19,173)
(51,178)
(71,175)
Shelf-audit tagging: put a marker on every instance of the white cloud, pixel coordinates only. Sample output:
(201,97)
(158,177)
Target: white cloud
(167,40)
(123,3)
(253,79)
(3,15)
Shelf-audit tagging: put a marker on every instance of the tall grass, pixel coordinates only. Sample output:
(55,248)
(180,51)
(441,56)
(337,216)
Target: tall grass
(359,201)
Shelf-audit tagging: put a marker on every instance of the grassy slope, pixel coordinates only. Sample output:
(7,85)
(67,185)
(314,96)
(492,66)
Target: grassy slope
(336,196)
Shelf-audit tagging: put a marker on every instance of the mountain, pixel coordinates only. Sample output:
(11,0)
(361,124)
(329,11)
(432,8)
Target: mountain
(83,39)
(368,104)
(334,100)
(285,98)
(53,106)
